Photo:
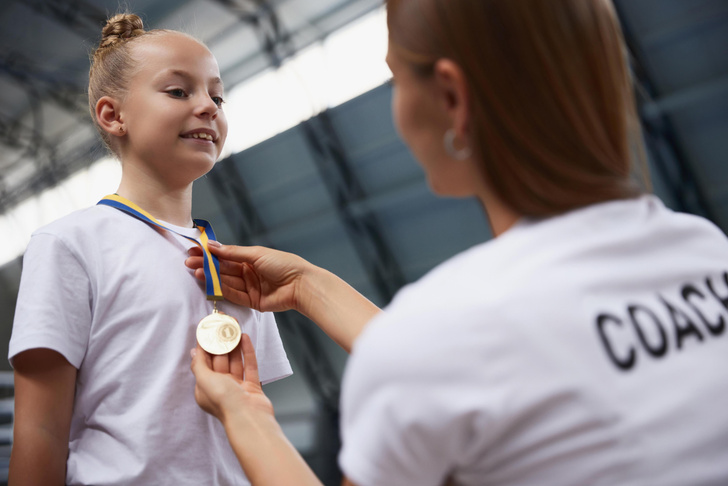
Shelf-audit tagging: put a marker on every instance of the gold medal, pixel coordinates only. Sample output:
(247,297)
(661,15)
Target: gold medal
(218,333)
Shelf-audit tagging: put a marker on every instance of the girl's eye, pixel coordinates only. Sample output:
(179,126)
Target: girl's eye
(218,100)
(177,93)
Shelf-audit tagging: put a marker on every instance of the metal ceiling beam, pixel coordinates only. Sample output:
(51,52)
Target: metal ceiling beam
(364,230)
(319,375)
(262,16)
(47,86)
(230,188)
(715,89)
(79,16)
(36,148)
(696,15)
(53,170)
(660,136)
(86,20)
(15,135)
(30,141)
(322,26)
(83,19)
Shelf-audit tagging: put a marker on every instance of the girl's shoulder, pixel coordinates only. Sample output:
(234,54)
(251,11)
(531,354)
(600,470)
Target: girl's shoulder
(80,232)
(86,221)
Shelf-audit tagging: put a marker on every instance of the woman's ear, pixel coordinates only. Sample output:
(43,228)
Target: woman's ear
(108,116)
(453,89)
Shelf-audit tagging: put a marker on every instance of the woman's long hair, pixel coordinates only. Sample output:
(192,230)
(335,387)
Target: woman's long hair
(553,114)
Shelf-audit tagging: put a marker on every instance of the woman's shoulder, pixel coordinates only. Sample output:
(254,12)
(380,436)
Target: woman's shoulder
(475,275)
(546,261)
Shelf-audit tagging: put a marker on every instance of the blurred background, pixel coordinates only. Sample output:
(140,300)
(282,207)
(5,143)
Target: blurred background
(312,163)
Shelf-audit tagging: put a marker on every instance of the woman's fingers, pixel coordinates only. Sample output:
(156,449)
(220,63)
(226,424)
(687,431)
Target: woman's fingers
(239,276)
(236,361)
(250,285)
(239,254)
(234,281)
(204,363)
(201,364)
(226,267)
(195,251)
(193,261)
(208,391)
(233,288)
(221,363)
(250,362)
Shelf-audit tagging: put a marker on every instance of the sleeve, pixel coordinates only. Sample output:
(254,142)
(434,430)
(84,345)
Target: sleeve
(272,360)
(54,301)
(402,421)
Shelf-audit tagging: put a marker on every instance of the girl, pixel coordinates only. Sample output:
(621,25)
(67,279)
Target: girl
(101,393)
(586,344)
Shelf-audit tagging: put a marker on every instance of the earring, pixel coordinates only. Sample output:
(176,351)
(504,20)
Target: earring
(121,129)
(449,143)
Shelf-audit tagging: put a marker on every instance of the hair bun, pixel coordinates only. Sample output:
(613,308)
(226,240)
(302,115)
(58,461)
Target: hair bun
(119,28)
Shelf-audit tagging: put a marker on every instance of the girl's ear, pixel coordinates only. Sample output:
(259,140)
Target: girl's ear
(453,91)
(108,116)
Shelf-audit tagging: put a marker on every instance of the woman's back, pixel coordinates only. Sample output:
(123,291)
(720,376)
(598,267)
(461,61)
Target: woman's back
(582,349)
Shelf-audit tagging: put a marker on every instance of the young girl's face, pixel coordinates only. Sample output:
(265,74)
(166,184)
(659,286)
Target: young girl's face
(172,112)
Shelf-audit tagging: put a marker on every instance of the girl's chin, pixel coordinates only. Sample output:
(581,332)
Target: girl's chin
(189,173)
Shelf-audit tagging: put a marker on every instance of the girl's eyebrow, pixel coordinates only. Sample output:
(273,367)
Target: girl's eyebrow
(187,76)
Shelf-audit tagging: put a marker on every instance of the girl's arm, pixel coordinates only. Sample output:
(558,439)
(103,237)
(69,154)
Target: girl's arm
(44,393)
(271,280)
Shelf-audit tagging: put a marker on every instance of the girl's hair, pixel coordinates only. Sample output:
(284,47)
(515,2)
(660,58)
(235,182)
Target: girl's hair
(553,114)
(112,63)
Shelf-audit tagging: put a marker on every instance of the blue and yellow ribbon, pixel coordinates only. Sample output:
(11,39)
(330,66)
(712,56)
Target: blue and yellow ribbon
(211,263)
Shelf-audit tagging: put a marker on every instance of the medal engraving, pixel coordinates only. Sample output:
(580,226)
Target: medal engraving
(218,333)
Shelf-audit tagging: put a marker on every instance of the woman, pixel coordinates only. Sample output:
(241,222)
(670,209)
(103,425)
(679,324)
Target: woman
(585,344)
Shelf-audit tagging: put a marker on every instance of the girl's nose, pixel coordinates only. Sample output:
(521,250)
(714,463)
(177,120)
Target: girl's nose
(206,107)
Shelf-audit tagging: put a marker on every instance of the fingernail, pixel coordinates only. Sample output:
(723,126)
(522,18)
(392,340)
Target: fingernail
(193,352)
(213,243)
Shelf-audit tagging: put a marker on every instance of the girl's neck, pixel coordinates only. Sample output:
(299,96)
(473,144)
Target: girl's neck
(169,203)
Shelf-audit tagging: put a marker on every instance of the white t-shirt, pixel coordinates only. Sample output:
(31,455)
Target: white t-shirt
(113,296)
(585,349)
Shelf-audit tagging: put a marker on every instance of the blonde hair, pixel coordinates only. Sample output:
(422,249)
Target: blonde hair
(112,64)
(554,119)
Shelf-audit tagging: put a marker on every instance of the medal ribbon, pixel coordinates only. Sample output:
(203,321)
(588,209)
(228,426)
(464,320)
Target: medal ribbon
(211,263)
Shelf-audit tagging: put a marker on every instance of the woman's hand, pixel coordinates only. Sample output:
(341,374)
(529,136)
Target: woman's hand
(230,383)
(271,281)
(260,278)
(228,387)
